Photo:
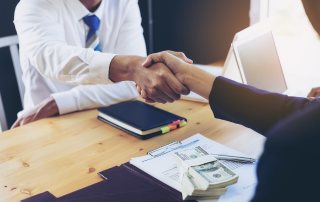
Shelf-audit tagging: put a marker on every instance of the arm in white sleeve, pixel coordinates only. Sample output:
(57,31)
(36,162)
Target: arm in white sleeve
(89,97)
(42,38)
(129,42)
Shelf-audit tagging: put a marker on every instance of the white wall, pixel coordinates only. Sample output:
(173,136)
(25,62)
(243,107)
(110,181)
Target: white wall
(259,10)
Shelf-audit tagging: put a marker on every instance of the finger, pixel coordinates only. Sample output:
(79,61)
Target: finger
(16,124)
(27,120)
(174,63)
(153,58)
(316,94)
(169,92)
(149,100)
(163,94)
(144,94)
(139,89)
(163,57)
(176,86)
(313,90)
(157,96)
(181,55)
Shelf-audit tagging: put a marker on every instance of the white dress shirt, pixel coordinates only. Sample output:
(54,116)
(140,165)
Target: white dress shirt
(52,37)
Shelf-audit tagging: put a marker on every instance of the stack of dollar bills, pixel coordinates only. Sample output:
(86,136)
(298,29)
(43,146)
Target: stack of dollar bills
(205,181)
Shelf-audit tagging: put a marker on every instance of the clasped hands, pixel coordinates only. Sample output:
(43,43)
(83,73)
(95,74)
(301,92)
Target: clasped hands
(170,84)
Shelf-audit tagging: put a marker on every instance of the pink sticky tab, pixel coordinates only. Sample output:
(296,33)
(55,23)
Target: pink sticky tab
(172,126)
(177,122)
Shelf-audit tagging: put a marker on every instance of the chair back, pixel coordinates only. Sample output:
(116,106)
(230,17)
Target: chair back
(12,42)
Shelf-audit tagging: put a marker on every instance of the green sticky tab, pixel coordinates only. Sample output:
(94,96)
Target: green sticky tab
(165,129)
(183,124)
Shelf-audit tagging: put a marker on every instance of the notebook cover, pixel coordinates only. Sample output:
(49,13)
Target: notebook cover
(43,197)
(142,137)
(139,115)
(121,184)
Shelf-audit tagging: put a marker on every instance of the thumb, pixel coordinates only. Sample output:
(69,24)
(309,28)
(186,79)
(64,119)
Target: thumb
(158,57)
(172,62)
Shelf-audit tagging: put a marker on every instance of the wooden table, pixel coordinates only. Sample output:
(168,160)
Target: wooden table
(63,154)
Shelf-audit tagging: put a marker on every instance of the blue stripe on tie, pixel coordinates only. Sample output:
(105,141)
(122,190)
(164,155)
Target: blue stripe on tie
(97,48)
(93,24)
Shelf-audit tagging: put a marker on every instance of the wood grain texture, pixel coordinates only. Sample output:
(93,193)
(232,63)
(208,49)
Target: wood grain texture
(63,154)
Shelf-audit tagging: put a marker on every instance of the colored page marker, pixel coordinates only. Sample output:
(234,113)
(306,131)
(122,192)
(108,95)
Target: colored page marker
(177,122)
(165,129)
(183,124)
(172,126)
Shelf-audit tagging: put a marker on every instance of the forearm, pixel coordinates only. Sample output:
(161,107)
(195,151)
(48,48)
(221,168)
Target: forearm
(198,81)
(249,106)
(90,97)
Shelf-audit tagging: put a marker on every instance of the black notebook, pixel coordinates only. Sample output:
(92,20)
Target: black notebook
(140,119)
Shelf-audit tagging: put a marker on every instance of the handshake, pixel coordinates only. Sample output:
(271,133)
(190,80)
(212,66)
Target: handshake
(163,77)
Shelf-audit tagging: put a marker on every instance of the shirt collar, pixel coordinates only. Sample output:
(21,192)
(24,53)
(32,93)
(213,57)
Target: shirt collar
(81,11)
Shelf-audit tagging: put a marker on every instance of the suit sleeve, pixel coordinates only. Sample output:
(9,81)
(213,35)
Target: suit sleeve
(251,107)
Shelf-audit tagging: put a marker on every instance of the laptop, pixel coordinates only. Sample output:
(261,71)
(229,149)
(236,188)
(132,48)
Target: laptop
(253,59)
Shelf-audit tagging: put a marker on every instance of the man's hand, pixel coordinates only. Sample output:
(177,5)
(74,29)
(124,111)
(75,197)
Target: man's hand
(192,77)
(314,93)
(156,58)
(46,108)
(157,81)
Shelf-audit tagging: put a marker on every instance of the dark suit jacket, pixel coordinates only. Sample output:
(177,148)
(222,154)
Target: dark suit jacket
(289,168)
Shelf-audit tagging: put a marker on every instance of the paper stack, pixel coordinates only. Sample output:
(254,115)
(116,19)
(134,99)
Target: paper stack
(202,176)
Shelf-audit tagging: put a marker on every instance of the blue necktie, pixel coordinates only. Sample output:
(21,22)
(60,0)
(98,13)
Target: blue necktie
(92,37)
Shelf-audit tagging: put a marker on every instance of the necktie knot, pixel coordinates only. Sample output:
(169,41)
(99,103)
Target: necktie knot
(92,22)
(92,37)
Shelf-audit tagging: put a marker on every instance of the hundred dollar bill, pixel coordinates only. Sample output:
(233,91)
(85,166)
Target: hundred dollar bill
(191,153)
(213,174)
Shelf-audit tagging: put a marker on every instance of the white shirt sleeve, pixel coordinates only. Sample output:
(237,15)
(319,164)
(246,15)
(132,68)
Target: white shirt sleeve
(41,37)
(130,42)
(88,97)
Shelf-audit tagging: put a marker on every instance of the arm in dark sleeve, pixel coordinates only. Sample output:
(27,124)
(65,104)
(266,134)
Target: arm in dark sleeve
(249,106)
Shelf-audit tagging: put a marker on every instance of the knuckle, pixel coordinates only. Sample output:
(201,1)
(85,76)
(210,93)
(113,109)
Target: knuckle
(179,89)
(162,74)
(153,93)
(157,84)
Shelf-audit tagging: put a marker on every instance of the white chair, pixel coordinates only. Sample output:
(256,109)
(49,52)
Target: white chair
(12,42)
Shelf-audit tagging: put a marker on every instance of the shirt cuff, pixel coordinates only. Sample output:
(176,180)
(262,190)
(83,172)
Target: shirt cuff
(66,102)
(99,68)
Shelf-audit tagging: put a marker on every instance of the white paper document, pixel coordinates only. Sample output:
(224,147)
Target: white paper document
(164,168)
